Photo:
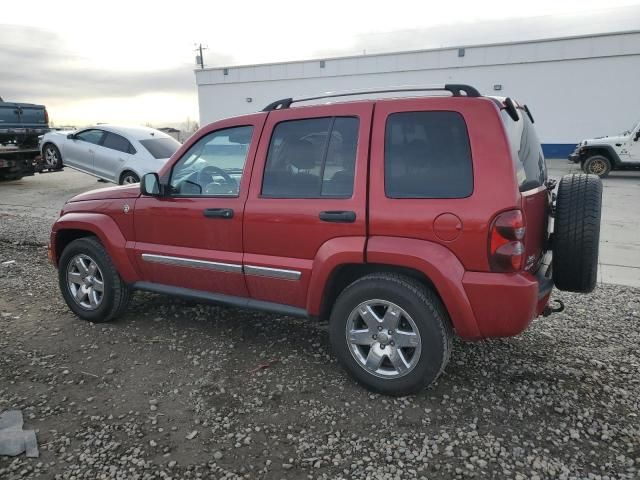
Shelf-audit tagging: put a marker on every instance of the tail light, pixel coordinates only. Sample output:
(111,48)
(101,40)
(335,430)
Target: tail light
(506,242)
(46,116)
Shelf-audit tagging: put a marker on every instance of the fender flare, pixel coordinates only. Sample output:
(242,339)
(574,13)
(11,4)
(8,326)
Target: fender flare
(331,255)
(615,159)
(107,231)
(440,266)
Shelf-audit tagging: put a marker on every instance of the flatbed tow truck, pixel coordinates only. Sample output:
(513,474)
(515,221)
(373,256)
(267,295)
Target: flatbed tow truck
(17,162)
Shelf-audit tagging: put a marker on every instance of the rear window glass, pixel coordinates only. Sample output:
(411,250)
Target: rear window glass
(117,142)
(526,151)
(427,155)
(161,147)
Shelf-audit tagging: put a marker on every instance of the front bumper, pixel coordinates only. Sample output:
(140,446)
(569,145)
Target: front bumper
(574,157)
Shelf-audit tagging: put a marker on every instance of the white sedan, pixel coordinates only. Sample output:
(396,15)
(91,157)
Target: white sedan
(117,154)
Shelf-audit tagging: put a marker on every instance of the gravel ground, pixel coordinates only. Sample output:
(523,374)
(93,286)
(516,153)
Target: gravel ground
(179,390)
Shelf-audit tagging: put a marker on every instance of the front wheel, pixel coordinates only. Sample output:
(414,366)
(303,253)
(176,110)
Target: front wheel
(52,157)
(391,333)
(90,283)
(597,165)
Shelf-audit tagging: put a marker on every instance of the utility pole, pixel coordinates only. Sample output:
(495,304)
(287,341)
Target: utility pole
(200,57)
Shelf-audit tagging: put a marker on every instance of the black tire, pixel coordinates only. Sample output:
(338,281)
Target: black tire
(129,177)
(576,235)
(428,314)
(116,293)
(55,162)
(9,177)
(597,165)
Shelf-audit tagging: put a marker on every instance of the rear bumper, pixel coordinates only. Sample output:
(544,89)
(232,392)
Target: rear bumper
(505,304)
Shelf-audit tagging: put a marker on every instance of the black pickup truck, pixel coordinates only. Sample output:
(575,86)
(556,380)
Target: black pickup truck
(22,123)
(20,126)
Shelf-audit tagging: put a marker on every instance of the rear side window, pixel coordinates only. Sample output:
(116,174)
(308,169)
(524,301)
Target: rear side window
(312,158)
(117,142)
(161,147)
(427,155)
(526,151)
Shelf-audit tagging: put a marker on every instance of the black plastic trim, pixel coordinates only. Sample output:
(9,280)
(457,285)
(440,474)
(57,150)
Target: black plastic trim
(221,299)
(338,216)
(511,109)
(545,283)
(526,109)
(610,150)
(278,104)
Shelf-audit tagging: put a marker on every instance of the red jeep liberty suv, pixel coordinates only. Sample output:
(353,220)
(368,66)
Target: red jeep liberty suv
(400,220)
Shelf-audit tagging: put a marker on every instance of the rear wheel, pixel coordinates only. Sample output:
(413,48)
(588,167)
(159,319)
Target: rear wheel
(90,283)
(52,157)
(576,233)
(128,178)
(391,333)
(597,165)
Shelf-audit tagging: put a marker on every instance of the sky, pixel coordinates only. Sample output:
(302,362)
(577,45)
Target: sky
(133,61)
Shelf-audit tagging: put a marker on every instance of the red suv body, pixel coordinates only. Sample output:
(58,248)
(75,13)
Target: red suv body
(286,209)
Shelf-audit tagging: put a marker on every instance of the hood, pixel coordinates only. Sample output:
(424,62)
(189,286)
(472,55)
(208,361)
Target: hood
(607,139)
(124,191)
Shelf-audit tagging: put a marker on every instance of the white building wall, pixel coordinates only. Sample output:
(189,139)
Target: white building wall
(576,88)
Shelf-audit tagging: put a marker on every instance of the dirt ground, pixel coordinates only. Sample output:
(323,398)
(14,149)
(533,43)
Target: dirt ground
(178,390)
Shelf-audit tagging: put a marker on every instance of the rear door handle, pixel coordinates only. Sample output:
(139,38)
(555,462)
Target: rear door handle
(218,213)
(338,216)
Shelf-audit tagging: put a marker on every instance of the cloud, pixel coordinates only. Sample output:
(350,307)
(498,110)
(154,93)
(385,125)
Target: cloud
(468,33)
(37,65)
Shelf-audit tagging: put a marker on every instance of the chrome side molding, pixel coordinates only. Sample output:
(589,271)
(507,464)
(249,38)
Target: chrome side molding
(272,272)
(190,262)
(223,267)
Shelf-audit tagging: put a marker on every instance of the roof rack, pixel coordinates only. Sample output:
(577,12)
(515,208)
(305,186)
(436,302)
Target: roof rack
(456,90)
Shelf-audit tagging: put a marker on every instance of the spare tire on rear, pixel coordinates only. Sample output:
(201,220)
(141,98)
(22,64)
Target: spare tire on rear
(576,233)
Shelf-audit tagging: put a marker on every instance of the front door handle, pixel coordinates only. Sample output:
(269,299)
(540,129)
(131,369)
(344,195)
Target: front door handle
(218,213)
(338,216)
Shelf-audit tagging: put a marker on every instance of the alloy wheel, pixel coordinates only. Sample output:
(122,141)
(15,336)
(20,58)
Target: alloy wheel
(85,281)
(128,179)
(383,339)
(51,159)
(597,167)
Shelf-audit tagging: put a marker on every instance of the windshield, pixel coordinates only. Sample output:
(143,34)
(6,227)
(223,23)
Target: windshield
(633,129)
(161,147)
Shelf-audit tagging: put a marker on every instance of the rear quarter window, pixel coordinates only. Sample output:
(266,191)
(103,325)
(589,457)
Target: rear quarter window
(427,155)
(526,151)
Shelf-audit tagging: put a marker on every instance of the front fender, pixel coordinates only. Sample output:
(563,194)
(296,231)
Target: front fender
(106,229)
(439,265)
(603,146)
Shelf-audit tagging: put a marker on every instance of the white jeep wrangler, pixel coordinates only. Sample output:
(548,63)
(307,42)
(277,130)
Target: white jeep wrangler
(599,156)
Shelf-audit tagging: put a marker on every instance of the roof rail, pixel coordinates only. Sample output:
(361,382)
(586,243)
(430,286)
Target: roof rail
(457,90)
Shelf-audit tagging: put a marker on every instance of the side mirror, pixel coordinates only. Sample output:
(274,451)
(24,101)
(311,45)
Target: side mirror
(150,185)
(71,136)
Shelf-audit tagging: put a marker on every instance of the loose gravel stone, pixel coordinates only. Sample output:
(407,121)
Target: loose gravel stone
(559,401)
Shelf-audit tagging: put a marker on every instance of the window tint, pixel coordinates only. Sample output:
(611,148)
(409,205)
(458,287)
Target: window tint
(161,147)
(117,142)
(312,158)
(213,165)
(91,136)
(526,151)
(427,155)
